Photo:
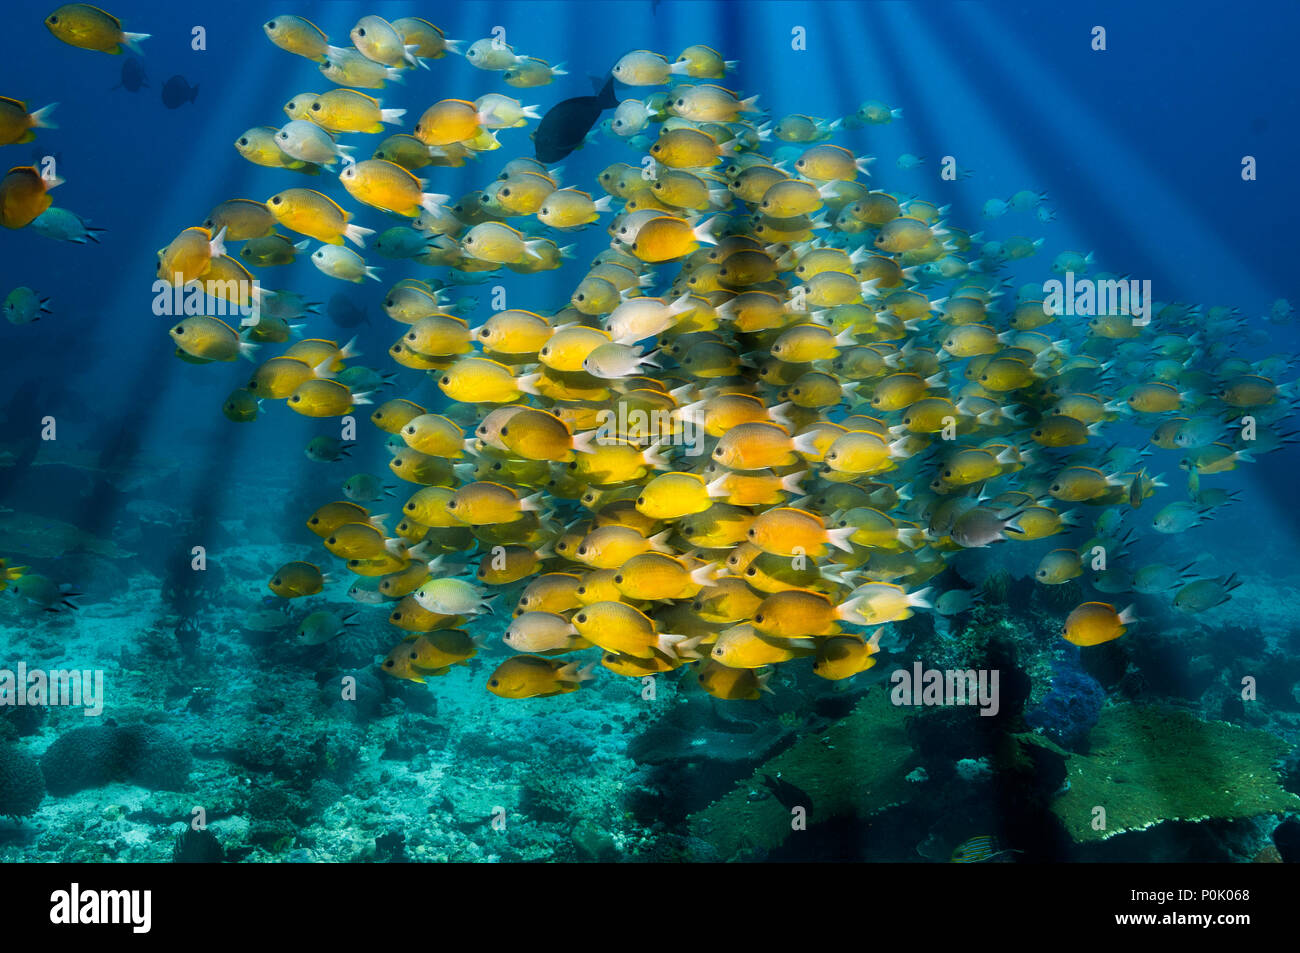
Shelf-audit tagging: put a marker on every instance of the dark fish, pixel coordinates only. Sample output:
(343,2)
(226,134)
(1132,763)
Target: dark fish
(566,124)
(789,795)
(133,76)
(178,91)
(344,313)
(1135,489)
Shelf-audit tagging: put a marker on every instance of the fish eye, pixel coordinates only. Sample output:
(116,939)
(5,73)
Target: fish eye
(54,19)
(361,32)
(269,26)
(445,380)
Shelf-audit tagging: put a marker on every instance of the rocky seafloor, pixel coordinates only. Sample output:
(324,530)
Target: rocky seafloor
(222,739)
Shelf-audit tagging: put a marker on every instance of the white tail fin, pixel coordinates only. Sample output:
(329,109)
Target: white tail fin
(705,232)
(432,201)
(839,537)
(585,442)
(357,235)
(41,118)
(706,575)
(919,599)
(806,443)
(659,541)
(132,42)
(654,457)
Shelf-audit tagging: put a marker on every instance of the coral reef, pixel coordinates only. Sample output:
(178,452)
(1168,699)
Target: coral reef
(22,787)
(98,754)
(19,721)
(1151,764)
(856,768)
(1068,711)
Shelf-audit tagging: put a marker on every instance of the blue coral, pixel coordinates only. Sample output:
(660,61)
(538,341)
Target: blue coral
(1071,707)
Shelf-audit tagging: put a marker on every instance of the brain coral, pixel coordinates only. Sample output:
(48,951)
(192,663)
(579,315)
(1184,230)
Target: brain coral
(21,785)
(95,755)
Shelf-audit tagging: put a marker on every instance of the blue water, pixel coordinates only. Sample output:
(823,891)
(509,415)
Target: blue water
(1139,147)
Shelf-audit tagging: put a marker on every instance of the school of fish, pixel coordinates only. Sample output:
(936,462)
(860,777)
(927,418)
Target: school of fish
(768,415)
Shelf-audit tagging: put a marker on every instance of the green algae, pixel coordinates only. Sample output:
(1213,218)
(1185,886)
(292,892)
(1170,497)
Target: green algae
(857,767)
(1149,764)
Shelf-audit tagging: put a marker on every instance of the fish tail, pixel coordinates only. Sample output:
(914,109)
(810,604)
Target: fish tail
(41,118)
(607,98)
(132,42)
